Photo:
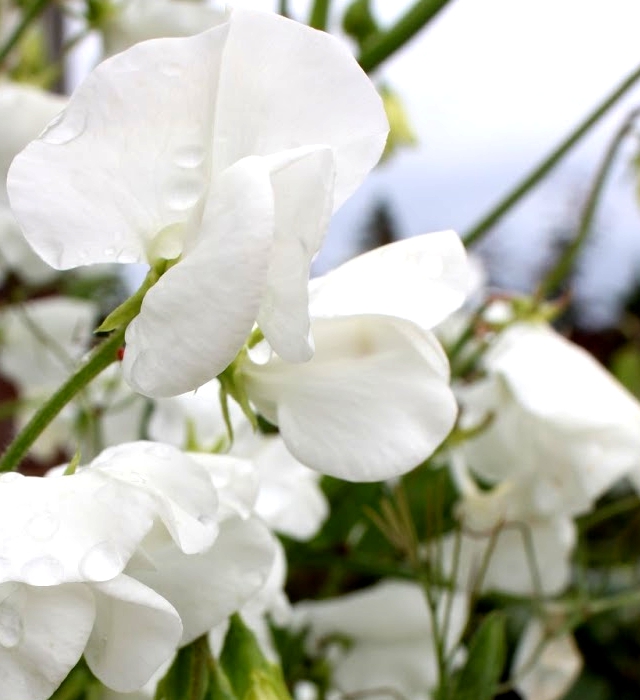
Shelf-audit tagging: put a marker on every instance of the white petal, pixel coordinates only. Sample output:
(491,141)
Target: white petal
(128,159)
(43,632)
(184,496)
(299,86)
(290,499)
(303,181)
(422,279)
(83,527)
(236,482)
(196,318)
(554,670)
(135,631)
(206,588)
(335,413)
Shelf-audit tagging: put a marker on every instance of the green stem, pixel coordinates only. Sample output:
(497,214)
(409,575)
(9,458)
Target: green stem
(489,220)
(319,14)
(554,278)
(36,7)
(382,45)
(283,8)
(102,356)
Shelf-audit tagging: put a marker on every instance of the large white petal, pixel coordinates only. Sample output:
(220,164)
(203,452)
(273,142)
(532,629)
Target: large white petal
(128,159)
(303,182)
(206,588)
(373,402)
(185,498)
(422,279)
(83,527)
(135,631)
(43,632)
(296,86)
(196,318)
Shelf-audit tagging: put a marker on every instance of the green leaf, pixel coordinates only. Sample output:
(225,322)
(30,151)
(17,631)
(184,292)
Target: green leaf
(251,675)
(480,675)
(219,685)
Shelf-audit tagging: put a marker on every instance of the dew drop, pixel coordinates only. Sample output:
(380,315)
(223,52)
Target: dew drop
(171,70)
(66,127)
(43,526)
(184,194)
(43,571)
(189,156)
(11,625)
(101,563)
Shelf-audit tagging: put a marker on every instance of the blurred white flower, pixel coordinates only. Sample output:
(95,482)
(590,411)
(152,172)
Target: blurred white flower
(228,150)
(391,633)
(563,428)
(547,673)
(129,21)
(24,112)
(42,342)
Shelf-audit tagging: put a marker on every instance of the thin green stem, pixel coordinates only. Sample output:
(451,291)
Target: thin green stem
(102,356)
(36,7)
(382,45)
(554,278)
(283,8)
(319,16)
(529,181)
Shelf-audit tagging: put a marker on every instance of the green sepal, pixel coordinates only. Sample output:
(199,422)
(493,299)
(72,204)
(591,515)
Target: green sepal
(73,464)
(232,385)
(251,675)
(479,677)
(122,315)
(219,684)
(358,21)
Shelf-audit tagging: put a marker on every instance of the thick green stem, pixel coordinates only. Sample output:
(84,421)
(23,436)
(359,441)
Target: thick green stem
(527,183)
(554,278)
(34,9)
(319,14)
(382,45)
(102,356)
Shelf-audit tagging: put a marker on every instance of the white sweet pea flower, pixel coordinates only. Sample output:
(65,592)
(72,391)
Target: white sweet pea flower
(524,552)
(41,342)
(130,21)
(289,497)
(228,150)
(549,673)
(391,631)
(561,422)
(373,402)
(24,112)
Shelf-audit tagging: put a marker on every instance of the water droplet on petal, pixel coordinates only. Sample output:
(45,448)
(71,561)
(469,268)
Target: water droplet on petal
(102,562)
(11,625)
(43,526)
(10,476)
(172,70)
(161,451)
(190,156)
(66,127)
(184,193)
(43,571)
